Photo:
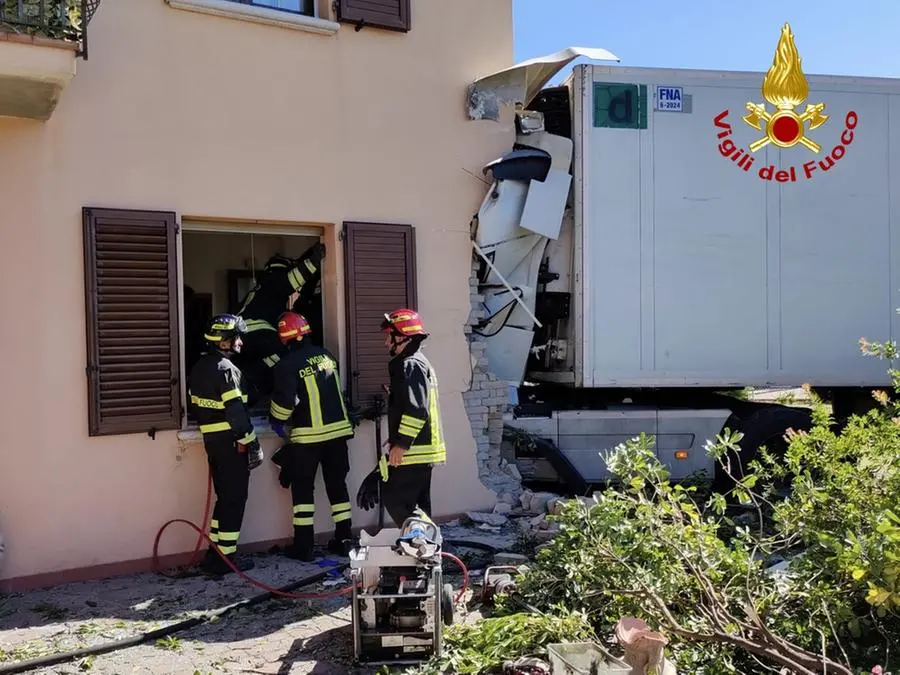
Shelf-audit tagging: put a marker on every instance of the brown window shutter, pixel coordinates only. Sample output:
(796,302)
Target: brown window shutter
(380,260)
(131,307)
(390,14)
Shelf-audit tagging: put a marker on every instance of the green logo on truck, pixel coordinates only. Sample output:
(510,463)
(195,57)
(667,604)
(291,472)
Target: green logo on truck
(620,106)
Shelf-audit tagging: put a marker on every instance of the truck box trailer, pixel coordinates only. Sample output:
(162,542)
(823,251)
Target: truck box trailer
(657,236)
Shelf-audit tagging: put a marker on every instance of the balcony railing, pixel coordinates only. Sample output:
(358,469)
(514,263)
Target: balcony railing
(64,20)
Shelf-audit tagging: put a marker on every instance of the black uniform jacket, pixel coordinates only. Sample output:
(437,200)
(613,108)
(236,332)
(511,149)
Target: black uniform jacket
(308,395)
(414,421)
(218,399)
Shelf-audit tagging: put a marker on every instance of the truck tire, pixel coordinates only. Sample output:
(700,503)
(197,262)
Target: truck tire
(765,426)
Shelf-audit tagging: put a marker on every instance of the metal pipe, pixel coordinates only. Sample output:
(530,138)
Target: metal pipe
(518,299)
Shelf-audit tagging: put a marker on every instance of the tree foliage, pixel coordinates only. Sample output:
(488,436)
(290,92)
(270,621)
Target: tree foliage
(651,549)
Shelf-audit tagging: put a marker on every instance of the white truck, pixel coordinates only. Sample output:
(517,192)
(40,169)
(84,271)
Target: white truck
(659,238)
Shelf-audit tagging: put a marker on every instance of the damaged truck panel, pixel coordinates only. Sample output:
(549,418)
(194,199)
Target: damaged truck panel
(631,276)
(522,82)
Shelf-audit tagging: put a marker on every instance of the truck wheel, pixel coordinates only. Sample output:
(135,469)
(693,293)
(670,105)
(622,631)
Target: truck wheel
(764,427)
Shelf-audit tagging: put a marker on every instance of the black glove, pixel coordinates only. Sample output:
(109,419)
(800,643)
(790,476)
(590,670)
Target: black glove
(254,454)
(368,494)
(315,254)
(281,458)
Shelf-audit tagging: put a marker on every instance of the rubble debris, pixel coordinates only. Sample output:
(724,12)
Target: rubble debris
(508,558)
(526,666)
(495,519)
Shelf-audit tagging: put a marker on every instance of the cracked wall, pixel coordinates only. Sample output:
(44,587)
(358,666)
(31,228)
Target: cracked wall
(486,400)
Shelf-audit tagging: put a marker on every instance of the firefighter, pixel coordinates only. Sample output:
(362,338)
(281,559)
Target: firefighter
(281,278)
(307,408)
(219,403)
(415,437)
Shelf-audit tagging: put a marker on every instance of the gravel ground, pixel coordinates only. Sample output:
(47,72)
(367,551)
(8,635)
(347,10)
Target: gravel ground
(278,636)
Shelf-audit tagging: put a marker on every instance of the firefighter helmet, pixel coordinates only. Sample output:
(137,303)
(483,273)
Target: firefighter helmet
(224,327)
(292,326)
(403,323)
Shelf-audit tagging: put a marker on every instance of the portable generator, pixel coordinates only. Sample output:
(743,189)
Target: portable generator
(400,601)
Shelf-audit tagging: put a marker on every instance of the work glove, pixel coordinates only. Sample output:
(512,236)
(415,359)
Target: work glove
(278,428)
(368,494)
(315,254)
(254,453)
(281,458)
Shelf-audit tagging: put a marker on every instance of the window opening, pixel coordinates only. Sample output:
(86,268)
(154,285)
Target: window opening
(220,268)
(304,7)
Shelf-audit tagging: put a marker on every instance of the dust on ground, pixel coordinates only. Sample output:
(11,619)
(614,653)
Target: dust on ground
(277,636)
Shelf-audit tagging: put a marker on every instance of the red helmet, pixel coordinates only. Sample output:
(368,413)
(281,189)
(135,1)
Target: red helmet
(403,322)
(292,326)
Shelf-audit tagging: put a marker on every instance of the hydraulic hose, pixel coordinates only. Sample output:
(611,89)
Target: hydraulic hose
(465,572)
(106,647)
(157,567)
(269,589)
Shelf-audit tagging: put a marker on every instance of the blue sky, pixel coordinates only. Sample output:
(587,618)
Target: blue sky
(848,38)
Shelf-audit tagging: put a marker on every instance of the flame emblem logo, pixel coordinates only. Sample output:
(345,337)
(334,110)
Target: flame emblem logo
(785,87)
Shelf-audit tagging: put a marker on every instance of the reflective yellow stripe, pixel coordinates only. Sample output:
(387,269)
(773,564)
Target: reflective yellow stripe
(310,266)
(271,360)
(214,530)
(230,394)
(296,279)
(434,451)
(258,324)
(302,520)
(322,434)
(207,403)
(340,512)
(412,422)
(249,438)
(279,412)
(426,458)
(315,402)
(217,426)
(228,542)
(383,468)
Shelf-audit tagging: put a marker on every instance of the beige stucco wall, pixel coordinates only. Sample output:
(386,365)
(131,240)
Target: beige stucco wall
(217,117)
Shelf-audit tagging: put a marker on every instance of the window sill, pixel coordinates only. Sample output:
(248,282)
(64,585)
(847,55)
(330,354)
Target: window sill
(255,14)
(191,434)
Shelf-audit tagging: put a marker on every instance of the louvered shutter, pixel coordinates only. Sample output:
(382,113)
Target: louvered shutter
(389,14)
(380,260)
(131,307)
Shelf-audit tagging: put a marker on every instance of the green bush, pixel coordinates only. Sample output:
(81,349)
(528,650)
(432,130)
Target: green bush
(648,549)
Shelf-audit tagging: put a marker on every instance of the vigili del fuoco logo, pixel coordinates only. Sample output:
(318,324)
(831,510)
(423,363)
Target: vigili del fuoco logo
(785,87)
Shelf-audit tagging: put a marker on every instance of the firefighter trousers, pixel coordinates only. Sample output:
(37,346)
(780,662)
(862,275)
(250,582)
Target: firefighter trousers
(262,349)
(231,480)
(302,464)
(406,488)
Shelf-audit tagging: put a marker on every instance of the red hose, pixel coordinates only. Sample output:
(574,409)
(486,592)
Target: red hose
(255,582)
(203,536)
(200,537)
(465,572)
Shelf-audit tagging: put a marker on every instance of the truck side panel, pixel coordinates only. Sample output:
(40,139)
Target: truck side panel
(695,270)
